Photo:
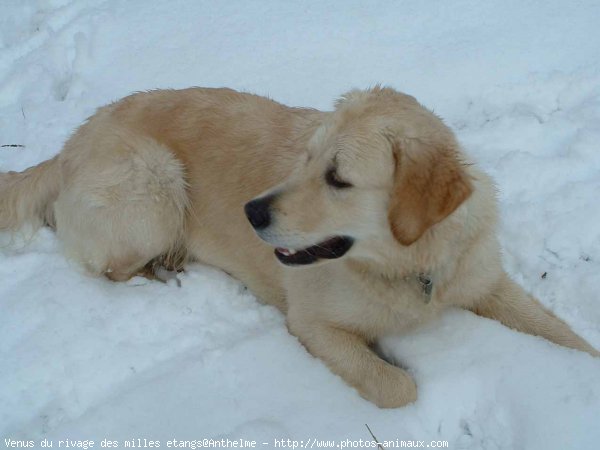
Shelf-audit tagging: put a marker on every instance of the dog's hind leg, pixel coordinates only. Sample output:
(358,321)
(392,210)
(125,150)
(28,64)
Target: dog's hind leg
(123,208)
(515,308)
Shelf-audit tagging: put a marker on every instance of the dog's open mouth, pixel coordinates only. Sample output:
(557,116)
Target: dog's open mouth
(332,248)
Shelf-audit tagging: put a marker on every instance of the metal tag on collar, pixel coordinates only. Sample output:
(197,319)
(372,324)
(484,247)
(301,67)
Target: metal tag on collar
(426,286)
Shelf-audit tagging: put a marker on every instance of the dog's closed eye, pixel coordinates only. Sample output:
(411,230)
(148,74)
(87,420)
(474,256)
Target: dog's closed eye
(332,178)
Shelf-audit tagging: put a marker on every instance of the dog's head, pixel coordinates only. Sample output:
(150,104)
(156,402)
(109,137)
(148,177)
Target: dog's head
(380,165)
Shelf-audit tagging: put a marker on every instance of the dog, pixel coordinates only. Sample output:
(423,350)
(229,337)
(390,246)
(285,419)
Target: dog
(355,223)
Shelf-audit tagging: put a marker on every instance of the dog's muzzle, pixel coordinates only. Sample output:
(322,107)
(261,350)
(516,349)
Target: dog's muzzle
(258,212)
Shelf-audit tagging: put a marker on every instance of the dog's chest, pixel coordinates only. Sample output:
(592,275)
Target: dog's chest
(379,305)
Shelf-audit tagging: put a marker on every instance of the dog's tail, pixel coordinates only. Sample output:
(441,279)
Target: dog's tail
(27,197)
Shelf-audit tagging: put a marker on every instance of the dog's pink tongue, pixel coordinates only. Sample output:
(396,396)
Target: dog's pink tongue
(285,251)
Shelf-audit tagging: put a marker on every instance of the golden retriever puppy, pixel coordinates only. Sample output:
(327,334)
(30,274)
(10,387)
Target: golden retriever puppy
(356,223)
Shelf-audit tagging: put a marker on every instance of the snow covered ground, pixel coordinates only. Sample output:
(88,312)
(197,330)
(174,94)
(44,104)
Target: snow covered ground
(519,82)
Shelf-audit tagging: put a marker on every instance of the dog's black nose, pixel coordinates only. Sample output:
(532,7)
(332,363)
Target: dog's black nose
(257,212)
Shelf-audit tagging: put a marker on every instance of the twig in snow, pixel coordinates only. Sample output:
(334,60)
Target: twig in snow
(381,447)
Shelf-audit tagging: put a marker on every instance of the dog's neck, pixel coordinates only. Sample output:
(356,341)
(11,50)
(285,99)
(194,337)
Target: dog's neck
(430,257)
(428,264)
(422,280)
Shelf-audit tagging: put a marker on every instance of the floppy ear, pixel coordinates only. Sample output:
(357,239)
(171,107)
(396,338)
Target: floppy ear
(430,183)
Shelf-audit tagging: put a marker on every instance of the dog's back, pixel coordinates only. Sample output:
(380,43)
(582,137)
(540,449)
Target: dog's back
(164,172)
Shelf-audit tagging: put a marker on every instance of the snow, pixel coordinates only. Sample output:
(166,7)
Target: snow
(519,82)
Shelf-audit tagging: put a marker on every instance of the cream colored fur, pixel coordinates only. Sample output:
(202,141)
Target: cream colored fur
(167,173)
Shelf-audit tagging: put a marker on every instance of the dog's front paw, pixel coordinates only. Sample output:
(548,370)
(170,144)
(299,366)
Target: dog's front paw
(389,387)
